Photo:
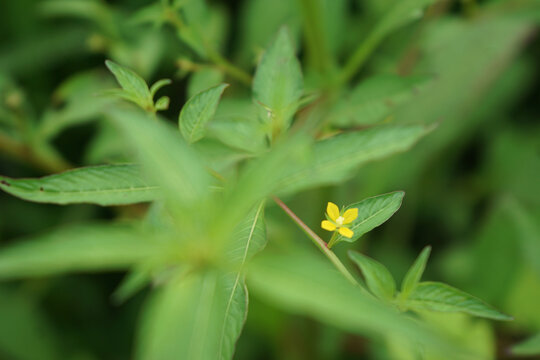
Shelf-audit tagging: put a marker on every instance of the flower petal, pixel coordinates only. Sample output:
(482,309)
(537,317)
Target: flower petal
(348,233)
(332,210)
(350,215)
(327,225)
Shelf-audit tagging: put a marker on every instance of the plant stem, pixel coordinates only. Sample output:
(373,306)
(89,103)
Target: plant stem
(45,158)
(227,66)
(214,56)
(359,57)
(315,35)
(318,242)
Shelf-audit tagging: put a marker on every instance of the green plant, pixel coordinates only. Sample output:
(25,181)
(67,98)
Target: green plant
(240,149)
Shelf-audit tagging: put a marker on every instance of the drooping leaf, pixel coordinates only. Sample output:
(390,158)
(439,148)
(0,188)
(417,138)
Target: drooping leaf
(374,99)
(102,185)
(198,111)
(186,319)
(437,296)
(132,84)
(372,212)
(529,347)
(278,82)
(379,280)
(335,159)
(77,248)
(413,276)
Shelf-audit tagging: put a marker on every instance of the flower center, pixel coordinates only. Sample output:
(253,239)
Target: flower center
(339,220)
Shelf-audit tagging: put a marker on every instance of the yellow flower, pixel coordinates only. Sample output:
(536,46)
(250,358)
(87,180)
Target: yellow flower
(337,221)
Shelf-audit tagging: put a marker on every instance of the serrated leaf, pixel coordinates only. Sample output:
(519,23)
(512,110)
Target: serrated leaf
(378,279)
(374,99)
(186,318)
(413,276)
(278,82)
(102,185)
(335,159)
(198,111)
(437,296)
(132,84)
(529,347)
(372,212)
(77,248)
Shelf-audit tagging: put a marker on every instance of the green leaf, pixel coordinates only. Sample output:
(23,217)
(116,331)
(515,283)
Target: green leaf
(374,99)
(379,280)
(77,248)
(134,86)
(102,185)
(162,103)
(278,82)
(158,85)
(186,319)
(372,212)
(303,283)
(413,276)
(401,14)
(171,164)
(198,111)
(249,237)
(335,159)
(529,347)
(437,296)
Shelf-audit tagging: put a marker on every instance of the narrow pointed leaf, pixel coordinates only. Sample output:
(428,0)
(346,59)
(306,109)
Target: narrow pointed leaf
(158,85)
(77,248)
(102,185)
(198,111)
(413,276)
(372,212)
(131,83)
(185,319)
(249,239)
(278,82)
(334,160)
(437,296)
(378,279)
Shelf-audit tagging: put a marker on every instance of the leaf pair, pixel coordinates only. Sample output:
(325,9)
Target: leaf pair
(418,296)
(134,88)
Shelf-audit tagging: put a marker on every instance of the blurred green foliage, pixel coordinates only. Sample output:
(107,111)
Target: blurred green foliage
(435,98)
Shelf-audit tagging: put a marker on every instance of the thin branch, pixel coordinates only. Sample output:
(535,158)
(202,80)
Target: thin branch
(320,243)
